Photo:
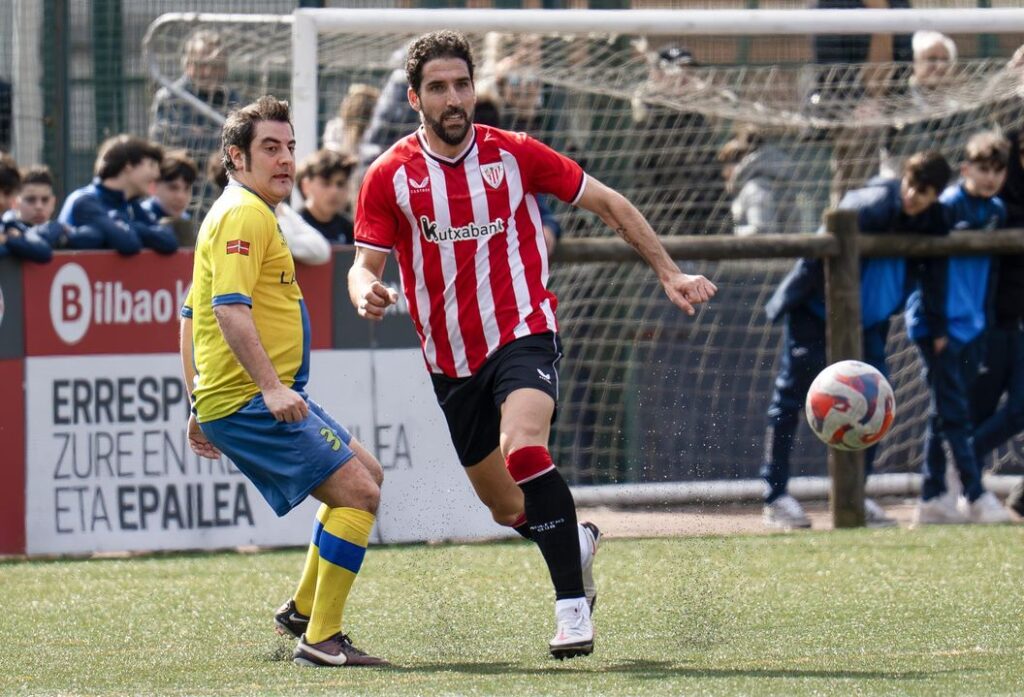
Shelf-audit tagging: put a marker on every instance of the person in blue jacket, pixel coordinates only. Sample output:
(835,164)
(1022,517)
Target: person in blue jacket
(951,351)
(16,238)
(126,168)
(995,422)
(907,205)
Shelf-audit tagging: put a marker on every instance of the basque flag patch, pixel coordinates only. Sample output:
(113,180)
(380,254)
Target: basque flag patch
(238,247)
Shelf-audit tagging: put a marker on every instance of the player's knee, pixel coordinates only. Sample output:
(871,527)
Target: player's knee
(365,497)
(506,518)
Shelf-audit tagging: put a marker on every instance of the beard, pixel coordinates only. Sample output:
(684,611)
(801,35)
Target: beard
(451,135)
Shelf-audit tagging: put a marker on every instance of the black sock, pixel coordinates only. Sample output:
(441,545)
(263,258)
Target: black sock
(524,530)
(551,519)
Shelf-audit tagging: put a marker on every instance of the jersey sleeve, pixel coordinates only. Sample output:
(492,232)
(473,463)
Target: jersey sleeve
(377,224)
(186,307)
(550,172)
(237,248)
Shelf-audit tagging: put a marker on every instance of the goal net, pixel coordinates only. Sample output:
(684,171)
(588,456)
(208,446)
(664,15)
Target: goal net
(662,110)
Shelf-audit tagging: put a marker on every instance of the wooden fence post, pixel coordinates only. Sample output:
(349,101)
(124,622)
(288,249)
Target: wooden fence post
(842,307)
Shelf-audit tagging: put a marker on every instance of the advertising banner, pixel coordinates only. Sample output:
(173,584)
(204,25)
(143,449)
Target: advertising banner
(92,303)
(110,467)
(12,457)
(12,342)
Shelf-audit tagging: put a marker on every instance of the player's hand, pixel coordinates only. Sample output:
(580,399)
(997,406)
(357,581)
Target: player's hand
(940,343)
(686,291)
(197,440)
(376,300)
(285,404)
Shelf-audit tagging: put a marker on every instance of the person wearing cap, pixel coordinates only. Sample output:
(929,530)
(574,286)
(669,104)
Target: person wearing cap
(677,181)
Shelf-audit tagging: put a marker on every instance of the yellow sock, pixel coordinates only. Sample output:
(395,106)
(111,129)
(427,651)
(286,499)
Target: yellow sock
(343,543)
(307,584)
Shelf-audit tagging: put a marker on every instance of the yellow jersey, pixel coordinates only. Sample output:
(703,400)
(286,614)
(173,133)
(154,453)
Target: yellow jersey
(242,257)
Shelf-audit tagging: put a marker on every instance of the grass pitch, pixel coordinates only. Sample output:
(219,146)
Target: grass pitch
(927,612)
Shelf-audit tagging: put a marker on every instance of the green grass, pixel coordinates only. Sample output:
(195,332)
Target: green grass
(929,612)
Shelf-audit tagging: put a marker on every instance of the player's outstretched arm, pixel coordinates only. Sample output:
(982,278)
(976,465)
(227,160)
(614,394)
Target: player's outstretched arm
(196,438)
(620,215)
(369,296)
(239,330)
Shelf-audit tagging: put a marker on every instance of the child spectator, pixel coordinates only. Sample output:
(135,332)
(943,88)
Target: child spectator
(950,345)
(884,206)
(16,238)
(126,168)
(36,201)
(323,179)
(172,195)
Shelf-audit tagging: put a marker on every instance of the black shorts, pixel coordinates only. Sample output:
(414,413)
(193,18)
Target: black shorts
(472,406)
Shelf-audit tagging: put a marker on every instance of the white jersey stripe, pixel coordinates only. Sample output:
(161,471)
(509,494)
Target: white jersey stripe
(513,179)
(482,217)
(439,193)
(401,184)
(542,244)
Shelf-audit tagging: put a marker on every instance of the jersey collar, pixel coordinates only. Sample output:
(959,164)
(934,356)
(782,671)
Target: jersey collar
(450,161)
(234,182)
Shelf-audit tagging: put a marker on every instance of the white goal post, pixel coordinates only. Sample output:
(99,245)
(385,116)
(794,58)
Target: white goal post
(308,24)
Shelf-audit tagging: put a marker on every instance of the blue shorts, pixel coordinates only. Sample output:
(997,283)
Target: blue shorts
(285,461)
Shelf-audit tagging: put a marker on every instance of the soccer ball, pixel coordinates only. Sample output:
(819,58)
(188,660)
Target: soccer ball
(850,405)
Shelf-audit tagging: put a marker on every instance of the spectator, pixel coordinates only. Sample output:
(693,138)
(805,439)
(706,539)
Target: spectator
(37,200)
(185,114)
(35,206)
(933,119)
(994,424)
(323,179)
(949,344)
(16,238)
(756,176)
(172,195)
(110,207)
(510,68)
(934,57)
(883,207)
(393,117)
(676,178)
(344,132)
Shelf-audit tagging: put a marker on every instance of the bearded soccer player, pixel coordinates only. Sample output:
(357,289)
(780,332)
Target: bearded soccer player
(456,203)
(245,331)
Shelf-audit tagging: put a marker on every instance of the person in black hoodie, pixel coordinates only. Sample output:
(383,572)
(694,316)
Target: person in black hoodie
(907,205)
(1003,368)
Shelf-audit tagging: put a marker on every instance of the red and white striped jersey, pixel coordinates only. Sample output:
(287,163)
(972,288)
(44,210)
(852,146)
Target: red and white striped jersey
(468,238)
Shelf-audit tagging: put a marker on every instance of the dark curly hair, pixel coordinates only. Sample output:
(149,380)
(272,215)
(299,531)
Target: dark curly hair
(240,127)
(438,44)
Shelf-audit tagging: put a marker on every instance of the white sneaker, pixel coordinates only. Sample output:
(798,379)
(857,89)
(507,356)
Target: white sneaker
(939,510)
(875,517)
(574,635)
(590,538)
(785,513)
(986,509)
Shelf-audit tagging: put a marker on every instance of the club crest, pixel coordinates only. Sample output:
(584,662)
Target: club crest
(493,174)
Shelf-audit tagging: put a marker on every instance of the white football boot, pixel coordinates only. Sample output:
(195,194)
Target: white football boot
(574,635)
